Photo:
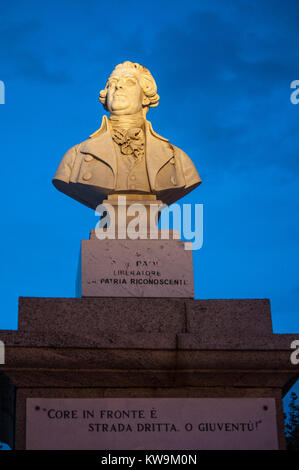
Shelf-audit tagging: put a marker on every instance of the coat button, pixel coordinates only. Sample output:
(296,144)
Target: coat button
(132,177)
(174,181)
(87,176)
(88,158)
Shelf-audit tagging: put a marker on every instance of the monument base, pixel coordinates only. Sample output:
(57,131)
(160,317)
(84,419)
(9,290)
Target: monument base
(209,371)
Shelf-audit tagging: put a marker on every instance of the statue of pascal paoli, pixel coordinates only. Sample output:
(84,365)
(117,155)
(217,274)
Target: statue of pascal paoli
(126,155)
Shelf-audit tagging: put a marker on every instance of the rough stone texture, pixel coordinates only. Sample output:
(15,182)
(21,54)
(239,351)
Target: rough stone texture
(146,323)
(146,347)
(98,322)
(84,315)
(228,318)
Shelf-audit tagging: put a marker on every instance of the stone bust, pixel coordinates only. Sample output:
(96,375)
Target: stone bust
(126,155)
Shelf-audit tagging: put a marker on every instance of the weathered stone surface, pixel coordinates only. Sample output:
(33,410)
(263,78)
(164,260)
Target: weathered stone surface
(136,268)
(145,323)
(80,316)
(229,318)
(97,339)
(258,342)
(177,347)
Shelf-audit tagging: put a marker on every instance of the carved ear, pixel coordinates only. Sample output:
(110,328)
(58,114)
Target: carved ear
(102,97)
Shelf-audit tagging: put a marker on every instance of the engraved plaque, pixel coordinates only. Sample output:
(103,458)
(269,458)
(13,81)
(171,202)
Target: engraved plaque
(136,268)
(151,423)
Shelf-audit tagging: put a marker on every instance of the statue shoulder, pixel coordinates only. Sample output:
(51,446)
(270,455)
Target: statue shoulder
(67,163)
(72,153)
(183,156)
(189,169)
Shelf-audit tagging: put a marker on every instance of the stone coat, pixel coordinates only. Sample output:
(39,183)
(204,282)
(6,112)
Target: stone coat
(88,170)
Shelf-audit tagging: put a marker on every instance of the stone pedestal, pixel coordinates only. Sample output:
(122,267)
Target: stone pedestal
(135,268)
(124,348)
(119,261)
(124,208)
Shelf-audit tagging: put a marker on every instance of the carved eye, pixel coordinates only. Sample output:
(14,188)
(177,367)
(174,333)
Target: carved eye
(130,81)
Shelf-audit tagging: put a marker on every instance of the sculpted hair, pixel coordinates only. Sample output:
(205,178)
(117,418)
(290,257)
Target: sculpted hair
(146,80)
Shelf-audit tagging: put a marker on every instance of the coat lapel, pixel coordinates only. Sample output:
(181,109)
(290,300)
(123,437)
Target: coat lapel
(158,152)
(101,146)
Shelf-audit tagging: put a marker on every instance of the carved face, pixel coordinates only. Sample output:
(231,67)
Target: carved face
(124,94)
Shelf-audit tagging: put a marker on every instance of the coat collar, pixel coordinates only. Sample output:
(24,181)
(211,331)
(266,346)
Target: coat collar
(101,146)
(158,150)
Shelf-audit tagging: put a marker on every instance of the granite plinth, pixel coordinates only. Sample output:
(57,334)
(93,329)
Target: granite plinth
(127,347)
(159,323)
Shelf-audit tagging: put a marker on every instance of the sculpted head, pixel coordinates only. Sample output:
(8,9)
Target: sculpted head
(130,89)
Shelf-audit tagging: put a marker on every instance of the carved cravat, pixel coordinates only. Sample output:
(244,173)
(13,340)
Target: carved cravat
(130,141)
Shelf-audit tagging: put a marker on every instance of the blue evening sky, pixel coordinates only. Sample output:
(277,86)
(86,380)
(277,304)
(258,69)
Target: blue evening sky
(223,70)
